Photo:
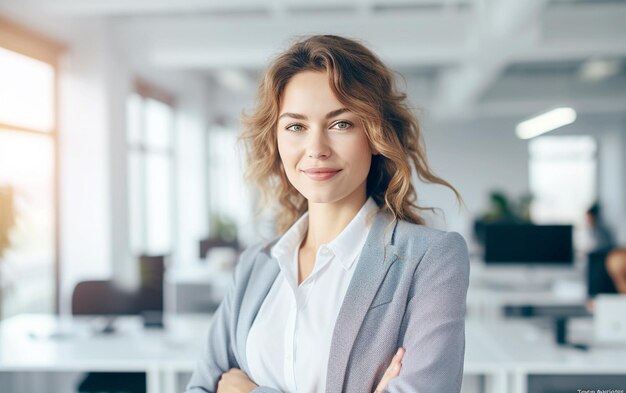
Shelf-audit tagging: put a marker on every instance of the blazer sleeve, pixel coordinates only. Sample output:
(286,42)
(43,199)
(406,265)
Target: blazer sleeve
(434,321)
(217,356)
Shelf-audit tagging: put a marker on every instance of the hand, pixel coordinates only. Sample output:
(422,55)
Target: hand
(235,381)
(392,371)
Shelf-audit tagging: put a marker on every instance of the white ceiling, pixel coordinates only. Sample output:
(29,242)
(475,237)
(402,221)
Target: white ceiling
(461,58)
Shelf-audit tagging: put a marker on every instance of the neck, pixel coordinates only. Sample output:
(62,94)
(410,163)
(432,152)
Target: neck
(328,220)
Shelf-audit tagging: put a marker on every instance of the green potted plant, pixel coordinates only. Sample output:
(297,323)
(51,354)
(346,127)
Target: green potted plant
(224,227)
(502,209)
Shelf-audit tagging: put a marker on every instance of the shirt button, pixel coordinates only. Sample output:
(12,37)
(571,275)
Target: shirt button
(324,251)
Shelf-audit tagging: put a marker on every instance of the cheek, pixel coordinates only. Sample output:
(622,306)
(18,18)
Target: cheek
(365,163)
(282,148)
(360,155)
(287,153)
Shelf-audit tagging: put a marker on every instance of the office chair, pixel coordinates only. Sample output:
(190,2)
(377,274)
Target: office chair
(102,297)
(211,242)
(598,279)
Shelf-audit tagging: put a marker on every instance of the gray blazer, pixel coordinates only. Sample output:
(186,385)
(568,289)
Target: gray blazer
(408,289)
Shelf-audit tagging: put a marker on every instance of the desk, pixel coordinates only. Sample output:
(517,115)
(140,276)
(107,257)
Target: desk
(523,349)
(25,347)
(501,354)
(483,361)
(493,287)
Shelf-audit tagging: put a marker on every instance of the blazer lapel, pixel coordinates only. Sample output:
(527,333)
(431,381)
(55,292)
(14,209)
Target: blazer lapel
(262,276)
(377,256)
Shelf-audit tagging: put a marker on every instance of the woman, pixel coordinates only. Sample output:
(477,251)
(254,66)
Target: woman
(356,295)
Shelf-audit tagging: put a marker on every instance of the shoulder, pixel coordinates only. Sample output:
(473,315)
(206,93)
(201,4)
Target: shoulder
(416,237)
(433,256)
(250,254)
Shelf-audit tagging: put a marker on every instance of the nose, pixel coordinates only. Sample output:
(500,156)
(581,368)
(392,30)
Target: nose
(317,145)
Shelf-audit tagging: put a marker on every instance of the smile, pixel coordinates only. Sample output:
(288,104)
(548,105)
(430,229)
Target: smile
(321,175)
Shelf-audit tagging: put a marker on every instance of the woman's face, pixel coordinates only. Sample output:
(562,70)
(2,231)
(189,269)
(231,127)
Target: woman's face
(322,145)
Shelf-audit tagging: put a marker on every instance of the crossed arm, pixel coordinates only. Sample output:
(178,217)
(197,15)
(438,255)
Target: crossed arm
(237,381)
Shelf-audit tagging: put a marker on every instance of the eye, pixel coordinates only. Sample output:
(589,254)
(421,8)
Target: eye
(342,125)
(295,127)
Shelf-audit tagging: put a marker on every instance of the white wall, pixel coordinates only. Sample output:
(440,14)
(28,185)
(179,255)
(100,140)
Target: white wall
(228,193)
(612,178)
(119,80)
(193,109)
(84,160)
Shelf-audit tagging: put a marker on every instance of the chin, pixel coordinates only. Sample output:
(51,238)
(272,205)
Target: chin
(319,196)
(316,198)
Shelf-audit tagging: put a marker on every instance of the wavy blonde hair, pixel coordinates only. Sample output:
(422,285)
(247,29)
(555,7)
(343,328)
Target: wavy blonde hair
(366,86)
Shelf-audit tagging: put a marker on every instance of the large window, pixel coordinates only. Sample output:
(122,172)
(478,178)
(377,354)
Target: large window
(228,199)
(28,171)
(150,174)
(562,178)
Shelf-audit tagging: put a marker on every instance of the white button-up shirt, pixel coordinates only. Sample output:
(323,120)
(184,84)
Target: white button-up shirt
(289,342)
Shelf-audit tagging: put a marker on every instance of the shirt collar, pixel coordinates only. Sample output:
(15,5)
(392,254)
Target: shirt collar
(348,245)
(291,240)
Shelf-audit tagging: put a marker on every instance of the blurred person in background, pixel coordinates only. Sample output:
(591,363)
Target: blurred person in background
(603,254)
(601,238)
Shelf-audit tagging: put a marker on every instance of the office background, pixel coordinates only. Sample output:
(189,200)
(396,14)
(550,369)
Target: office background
(119,120)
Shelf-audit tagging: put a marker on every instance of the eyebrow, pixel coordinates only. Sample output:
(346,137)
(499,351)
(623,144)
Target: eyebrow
(303,117)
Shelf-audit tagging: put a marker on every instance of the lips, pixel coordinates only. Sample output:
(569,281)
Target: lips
(320,174)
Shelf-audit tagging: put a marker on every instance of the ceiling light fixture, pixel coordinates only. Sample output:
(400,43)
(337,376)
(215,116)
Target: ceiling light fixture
(596,70)
(545,122)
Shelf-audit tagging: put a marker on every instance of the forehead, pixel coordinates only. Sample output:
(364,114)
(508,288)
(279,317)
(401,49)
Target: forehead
(309,91)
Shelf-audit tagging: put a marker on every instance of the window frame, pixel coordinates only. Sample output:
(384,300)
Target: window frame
(593,157)
(145,90)
(24,41)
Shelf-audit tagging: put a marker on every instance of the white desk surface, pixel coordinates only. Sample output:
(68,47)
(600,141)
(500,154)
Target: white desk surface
(504,352)
(531,348)
(490,347)
(491,288)
(25,345)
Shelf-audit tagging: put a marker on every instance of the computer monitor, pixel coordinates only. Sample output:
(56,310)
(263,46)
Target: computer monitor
(528,244)
(106,298)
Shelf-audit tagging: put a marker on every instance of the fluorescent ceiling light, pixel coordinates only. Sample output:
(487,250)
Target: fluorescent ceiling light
(545,122)
(595,70)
